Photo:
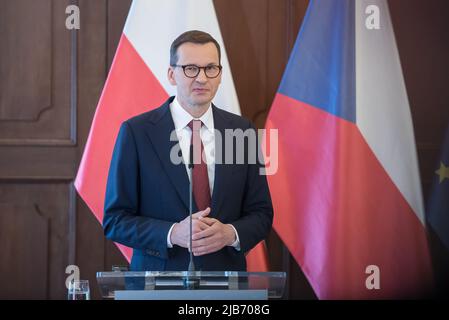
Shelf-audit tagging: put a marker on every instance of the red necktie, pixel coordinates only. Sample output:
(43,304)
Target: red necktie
(200,178)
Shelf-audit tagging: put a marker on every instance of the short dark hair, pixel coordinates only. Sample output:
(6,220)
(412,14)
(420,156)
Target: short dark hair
(193,36)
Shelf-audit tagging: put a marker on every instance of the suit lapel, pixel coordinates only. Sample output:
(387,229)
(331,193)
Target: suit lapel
(222,171)
(158,130)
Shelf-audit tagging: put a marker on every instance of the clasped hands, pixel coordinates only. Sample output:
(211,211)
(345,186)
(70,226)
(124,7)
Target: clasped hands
(208,234)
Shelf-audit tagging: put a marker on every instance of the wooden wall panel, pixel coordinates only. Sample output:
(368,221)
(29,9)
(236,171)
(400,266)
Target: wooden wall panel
(32,75)
(35,71)
(35,238)
(23,229)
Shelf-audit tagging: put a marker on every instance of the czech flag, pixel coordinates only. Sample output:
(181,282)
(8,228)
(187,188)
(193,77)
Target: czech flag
(347,194)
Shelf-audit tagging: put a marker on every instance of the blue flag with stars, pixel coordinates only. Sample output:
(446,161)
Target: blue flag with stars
(438,205)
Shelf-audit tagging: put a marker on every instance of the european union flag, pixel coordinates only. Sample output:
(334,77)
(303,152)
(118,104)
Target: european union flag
(438,220)
(438,205)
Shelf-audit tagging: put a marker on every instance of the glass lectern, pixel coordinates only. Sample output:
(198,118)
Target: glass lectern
(185,285)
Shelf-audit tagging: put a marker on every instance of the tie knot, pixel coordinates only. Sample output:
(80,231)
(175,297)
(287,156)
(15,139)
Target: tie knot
(195,125)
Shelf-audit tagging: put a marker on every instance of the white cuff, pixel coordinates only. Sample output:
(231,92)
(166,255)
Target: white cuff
(236,243)
(169,244)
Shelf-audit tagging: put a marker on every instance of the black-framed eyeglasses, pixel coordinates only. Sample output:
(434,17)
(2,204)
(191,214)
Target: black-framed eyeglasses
(192,71)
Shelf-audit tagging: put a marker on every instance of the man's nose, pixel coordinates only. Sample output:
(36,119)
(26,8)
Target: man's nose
(201,77)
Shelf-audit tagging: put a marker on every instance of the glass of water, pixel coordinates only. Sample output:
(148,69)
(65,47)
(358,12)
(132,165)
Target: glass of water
(79,290)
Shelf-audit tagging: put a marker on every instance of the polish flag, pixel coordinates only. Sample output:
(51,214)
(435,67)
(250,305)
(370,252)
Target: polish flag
(347,193)
(138,80)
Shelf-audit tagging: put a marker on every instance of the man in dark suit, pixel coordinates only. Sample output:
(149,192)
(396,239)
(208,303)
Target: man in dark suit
(147,194)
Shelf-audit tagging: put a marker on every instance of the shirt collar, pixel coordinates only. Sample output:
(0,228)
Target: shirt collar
(181,117)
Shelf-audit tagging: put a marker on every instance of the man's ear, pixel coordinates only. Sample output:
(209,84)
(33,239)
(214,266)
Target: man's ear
(171,76)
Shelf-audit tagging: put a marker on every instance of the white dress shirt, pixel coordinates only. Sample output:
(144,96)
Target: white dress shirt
(181,119)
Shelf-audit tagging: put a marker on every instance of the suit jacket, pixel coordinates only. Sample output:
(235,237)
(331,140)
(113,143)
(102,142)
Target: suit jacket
(146,193)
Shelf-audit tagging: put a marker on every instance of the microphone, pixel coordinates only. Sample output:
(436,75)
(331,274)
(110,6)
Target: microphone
(191,282)
(191,263)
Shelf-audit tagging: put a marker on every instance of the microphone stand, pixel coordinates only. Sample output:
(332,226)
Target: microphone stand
(191,282)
